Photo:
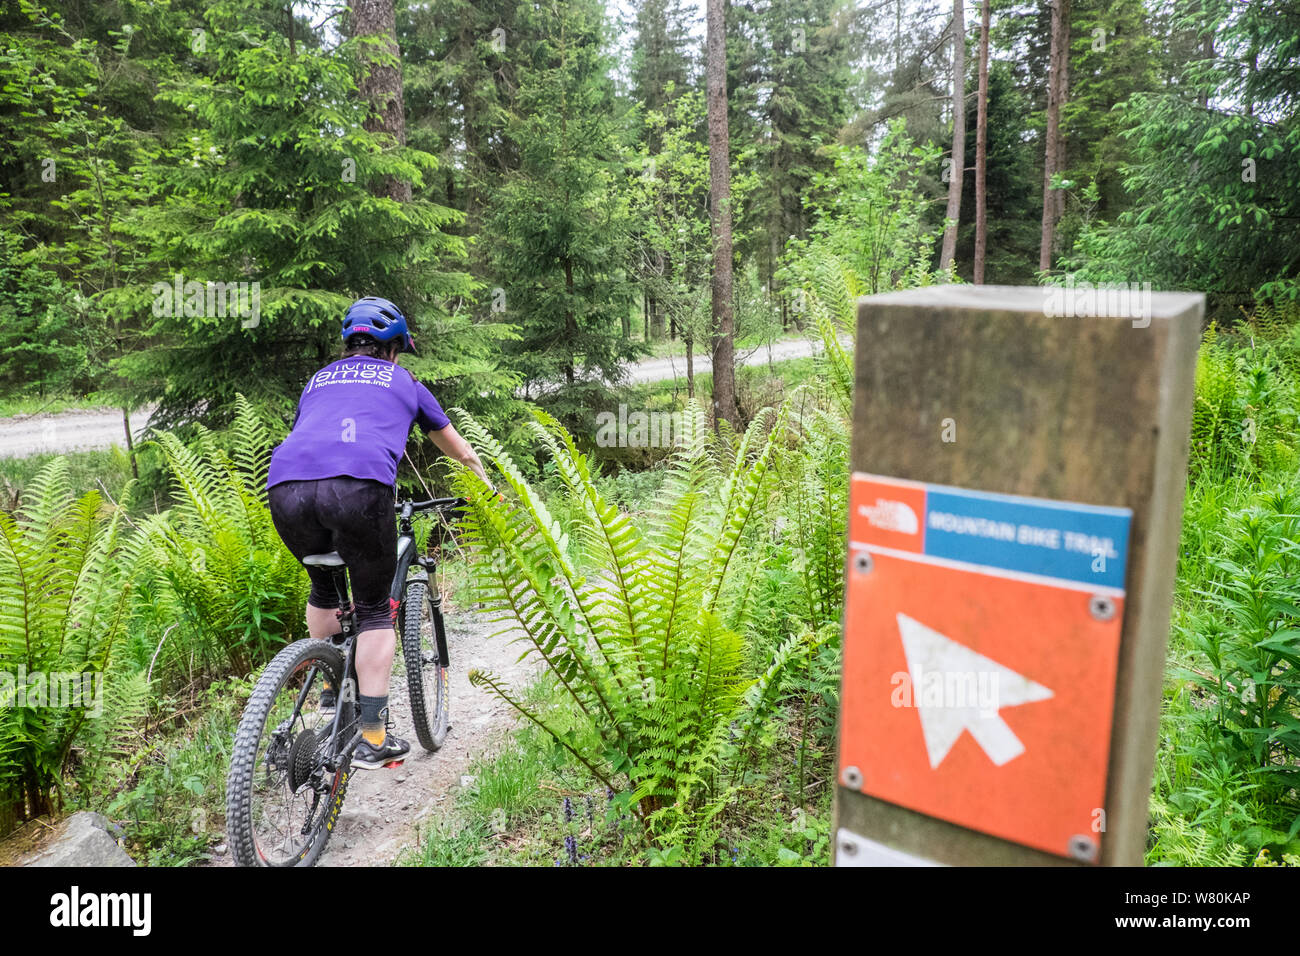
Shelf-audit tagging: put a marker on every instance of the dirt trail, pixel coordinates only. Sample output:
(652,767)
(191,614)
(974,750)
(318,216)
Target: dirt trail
(660,369)
(383,807)
(92,429)
(85,430)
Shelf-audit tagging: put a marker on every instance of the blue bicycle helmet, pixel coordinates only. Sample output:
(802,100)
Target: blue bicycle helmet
(379,319)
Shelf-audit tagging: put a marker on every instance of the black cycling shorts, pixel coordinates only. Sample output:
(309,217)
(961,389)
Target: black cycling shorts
(354,517)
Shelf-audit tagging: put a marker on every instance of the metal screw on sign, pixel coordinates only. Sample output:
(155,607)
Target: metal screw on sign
(1083,848)
(852,777)
(862,562)
(848,848)
(1101,607)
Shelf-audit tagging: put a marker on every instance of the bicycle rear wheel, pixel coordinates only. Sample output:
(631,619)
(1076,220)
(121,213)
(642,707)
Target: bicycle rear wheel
(281,801)
(426,673)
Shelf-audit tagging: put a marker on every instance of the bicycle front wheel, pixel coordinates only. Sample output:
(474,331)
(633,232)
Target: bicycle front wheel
(281,800)
(426,672)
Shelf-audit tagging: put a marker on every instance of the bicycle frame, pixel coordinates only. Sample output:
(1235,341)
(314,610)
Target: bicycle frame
(345,640)
(427,567)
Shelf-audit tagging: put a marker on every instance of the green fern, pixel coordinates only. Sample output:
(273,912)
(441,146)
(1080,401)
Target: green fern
(63,608)
(215,561)
(637,640)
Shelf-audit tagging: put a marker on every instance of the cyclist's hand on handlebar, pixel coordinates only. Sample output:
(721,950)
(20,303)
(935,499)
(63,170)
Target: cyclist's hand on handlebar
(496,492)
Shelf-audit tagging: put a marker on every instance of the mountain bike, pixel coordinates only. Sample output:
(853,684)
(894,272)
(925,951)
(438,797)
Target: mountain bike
(291,761)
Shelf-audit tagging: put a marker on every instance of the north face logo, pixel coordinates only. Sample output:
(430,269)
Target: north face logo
(887,515)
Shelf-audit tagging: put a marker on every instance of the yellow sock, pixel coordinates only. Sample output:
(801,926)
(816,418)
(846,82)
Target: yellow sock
(374,719)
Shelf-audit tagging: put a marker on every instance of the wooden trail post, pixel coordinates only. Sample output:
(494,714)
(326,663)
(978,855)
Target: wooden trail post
(1019,459)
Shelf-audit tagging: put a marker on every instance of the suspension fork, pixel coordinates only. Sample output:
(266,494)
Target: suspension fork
(439,629)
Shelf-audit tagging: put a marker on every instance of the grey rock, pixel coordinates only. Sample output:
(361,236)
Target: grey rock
(81,840)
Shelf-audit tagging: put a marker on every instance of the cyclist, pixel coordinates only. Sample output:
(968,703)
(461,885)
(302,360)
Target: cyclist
(331,487)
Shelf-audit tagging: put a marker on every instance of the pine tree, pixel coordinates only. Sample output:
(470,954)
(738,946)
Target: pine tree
(1012,212)
(276,187)
(661,67)
(1214,204)
(788,76)
(557,228)
(1112,56)
(381,79)
(661,71)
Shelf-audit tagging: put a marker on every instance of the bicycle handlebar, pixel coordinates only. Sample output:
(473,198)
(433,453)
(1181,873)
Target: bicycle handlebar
(408,508)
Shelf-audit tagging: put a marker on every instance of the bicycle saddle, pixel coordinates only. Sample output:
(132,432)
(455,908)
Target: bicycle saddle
(331,560)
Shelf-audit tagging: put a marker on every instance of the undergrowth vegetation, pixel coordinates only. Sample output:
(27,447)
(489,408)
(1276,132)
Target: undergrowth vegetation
(687,615)
(1227,771)
(139,612)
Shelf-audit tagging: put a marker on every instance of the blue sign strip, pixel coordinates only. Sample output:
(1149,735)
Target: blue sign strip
(1083,543)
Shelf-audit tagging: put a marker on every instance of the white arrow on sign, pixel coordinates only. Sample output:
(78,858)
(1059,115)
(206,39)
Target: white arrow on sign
(931,654)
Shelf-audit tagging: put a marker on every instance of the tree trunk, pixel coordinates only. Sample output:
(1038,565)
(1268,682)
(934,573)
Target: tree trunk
(130,444)
(724,373)
(958,132)
(570,326)
(1207,55)
(663,266)
(898,37)
(773,285)
(690,365)
(981,149)
(381,83)
(1054,158)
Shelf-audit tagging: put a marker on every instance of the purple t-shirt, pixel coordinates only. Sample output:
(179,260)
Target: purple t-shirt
(353,419)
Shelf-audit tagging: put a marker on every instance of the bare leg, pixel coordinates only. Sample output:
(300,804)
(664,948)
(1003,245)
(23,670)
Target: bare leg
(374,660)
(374,656)
(322,622)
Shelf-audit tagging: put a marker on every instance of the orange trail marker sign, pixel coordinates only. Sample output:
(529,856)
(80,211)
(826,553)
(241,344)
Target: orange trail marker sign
(983,638)
(1018,474)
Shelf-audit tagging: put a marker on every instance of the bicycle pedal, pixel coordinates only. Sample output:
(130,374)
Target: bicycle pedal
(393,763)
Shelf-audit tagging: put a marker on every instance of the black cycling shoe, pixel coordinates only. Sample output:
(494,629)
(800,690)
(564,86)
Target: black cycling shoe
(328,702)
(369,757)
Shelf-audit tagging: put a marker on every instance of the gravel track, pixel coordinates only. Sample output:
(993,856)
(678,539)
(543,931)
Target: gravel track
(94,429)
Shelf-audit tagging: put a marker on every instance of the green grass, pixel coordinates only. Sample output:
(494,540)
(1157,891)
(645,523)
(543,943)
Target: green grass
(170,798)
(11,405)
(87,468)
(512,812)
(1223,785)
(447,842)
